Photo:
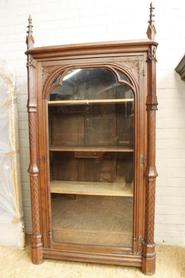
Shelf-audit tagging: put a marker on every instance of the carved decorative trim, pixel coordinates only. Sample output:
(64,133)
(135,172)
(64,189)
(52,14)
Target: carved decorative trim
(152,107)
(151,175)
(35,204)
(133,65)
(151,54)
(45,75)
(114,67)
(150,211)
(31,63)
(32,101)
(151,103)
(34,183)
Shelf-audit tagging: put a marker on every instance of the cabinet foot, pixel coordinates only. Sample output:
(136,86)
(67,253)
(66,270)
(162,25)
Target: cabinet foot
(148,266)
(148,259)
(37,256)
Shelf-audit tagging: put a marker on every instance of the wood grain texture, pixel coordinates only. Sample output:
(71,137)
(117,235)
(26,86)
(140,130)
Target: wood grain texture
(48,52)
(91,188)
(93,149)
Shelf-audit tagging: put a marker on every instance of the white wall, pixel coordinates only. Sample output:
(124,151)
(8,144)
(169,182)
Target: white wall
(74,21)
(11,220)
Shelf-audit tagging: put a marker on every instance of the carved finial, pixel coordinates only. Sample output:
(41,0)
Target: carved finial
(29,38)
(151,13)
(151,31)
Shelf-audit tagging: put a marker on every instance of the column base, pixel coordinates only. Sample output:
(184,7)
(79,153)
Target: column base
(148,266)
(148,259)
(37,254)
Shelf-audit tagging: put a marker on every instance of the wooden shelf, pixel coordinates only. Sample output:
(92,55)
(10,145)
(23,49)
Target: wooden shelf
(121,149)
(91,188)
(86,101)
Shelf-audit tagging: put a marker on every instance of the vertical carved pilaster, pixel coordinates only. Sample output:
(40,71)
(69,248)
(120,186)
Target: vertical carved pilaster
(33,170)
(34,185)
(151,173)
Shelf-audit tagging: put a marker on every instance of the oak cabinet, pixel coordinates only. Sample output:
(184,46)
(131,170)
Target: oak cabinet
(92,152)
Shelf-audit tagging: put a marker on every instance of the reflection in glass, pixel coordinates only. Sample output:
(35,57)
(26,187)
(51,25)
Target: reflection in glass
(91,83)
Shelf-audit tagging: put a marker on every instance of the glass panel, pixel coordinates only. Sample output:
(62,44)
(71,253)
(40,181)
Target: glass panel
(92,220)
(92,159)
(91,125)
(91,83)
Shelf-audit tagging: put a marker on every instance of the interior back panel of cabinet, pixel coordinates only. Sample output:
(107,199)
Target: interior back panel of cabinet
(107,168)
(90,125)
(94,125)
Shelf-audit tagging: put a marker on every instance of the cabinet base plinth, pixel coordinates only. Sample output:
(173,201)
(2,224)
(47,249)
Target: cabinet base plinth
(89,257)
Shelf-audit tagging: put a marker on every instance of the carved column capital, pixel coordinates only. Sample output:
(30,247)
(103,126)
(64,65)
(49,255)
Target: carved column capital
(31,63)
(151,54)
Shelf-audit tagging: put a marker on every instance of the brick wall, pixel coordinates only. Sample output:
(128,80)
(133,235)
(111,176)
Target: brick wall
(75,21)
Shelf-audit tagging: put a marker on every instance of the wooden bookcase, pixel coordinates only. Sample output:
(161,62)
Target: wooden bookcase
(92,151)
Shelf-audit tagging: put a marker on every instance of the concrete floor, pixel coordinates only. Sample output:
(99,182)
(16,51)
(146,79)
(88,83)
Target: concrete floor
(17,264)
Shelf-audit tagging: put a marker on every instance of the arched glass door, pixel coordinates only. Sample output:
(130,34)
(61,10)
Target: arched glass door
(91,143)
